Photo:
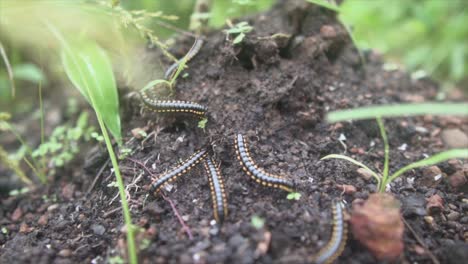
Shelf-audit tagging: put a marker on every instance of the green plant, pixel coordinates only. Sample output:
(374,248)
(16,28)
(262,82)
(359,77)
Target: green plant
(239,29)
(25,151)
(257,222)
(384,179)
(424,35)
(89,68)
(294,196)
(63,143)
(399,110)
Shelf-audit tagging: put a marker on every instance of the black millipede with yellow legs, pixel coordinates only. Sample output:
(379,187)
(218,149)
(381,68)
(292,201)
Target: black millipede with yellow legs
(335,246)
(257,174)
(218,192)
(173,106)
(179,170)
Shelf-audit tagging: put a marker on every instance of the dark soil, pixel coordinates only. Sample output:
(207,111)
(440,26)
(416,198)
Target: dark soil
(274,90)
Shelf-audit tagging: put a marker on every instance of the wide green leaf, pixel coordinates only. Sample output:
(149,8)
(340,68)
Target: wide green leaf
(89,69)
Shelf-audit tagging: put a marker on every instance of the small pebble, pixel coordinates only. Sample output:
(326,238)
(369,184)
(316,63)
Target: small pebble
(367,175)
(43,220)
(65,253)
(453,216)
(52,207)
(454,138)
(435,204)
(457,179)
(98,229)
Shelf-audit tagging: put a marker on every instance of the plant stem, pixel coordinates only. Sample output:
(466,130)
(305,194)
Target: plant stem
(132,255)
(383,133)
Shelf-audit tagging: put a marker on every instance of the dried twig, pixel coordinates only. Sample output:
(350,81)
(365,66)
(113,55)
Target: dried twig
(421,242)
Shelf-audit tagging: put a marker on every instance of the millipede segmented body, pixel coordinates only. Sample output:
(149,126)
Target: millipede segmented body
(172,106)
(257,174)
(179,170)
(218,193)
(335,246)
(169,74)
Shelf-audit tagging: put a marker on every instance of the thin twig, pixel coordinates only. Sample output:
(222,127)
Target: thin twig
(181,221)
(98,176)
(421,242)
(176,29)
(174,209)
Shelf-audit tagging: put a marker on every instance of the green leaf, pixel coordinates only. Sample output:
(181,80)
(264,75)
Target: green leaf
(257,222)
(89,69)
(202,123)
(239,38)
(325,4)
(29,72)
(440,157)
(294,196)
(355,162)
(398,110)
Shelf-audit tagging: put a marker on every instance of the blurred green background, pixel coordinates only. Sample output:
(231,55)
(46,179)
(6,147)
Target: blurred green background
(426,36)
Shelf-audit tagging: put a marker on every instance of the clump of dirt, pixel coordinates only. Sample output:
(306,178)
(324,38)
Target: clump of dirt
(274,88)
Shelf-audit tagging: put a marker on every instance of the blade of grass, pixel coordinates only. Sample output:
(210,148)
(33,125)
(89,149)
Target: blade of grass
(80,55)
(153,83)
(383,134)
(399,110)
(9,69)
(90,70)
(355,162)
(440,157)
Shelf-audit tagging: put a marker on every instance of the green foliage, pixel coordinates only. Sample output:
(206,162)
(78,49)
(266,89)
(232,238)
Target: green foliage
(64,142)
(116,260)
(294,196)
(429,35)
(13,162)
(257,222)
(13,165)
(90,70)
(399,110)
(239,29)
(202,123)
(385,179)
(96,83)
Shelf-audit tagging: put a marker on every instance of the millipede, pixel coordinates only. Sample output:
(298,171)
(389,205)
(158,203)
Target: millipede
(256,173)
(335,246)
(171,71)
(179,170)
(218,193)
(173,106)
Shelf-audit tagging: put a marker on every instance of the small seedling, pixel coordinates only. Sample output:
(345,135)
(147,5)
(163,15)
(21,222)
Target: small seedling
(384,179)
(4,230)
(202,123)
(116,260)
(239,29)
(98,137)
(63,144)
(294,196)
(17,192)
(257,222)
(113,184)
(124,152)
